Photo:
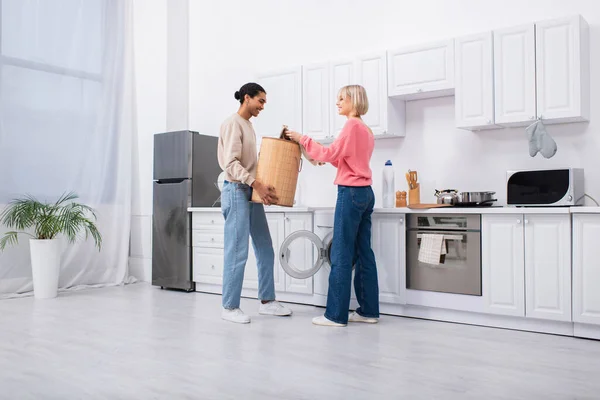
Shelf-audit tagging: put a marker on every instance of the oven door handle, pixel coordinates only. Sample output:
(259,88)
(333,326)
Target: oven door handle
(447,236)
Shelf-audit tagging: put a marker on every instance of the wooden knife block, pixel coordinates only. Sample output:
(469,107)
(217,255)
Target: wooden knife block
(414,195)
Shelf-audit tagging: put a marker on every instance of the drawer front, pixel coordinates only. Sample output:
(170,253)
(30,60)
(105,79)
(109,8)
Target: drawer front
(207,239)
(208,263)
(208,221)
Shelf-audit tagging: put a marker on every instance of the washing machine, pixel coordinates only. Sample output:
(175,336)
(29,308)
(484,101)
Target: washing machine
(321,239)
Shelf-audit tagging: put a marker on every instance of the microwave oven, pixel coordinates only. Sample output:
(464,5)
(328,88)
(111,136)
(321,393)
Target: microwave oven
(546,187)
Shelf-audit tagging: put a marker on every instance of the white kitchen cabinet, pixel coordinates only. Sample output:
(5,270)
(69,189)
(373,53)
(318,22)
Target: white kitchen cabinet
(284,103)
(548,266)
(526,265)
(386,117)
(474,79)
(207,248)
(586,268)
(277,230)
(389,246)
(343,72)
(207,265)
(422,71)
(316,101)
(563,70)
(371,70)
(208,252)
(302,251)
(514,75)
(503,264)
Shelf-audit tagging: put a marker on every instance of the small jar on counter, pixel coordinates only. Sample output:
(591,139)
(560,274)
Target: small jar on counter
(400,199)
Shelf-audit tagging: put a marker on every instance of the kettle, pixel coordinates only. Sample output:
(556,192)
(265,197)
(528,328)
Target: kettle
(448,196)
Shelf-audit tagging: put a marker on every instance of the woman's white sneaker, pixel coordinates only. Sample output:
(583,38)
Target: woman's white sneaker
(235,315)
(323,321)
(355,317)
(274,308)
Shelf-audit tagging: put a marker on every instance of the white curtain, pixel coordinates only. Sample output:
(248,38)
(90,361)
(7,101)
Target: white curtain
(67,124)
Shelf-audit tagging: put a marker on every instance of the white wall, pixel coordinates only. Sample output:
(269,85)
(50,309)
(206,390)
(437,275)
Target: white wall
(150,36)
(231,41)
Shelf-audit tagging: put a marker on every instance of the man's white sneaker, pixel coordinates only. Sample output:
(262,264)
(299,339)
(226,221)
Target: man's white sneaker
(274,308)
(356,317)
(323,321)
(235,315)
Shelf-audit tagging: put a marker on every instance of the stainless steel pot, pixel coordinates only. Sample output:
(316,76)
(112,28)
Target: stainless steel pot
(448,196)
(477,197)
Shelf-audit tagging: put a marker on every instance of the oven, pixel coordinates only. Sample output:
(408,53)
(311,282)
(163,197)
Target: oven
(443,253)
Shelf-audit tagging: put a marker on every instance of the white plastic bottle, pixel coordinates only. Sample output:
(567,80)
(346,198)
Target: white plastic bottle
(388,185)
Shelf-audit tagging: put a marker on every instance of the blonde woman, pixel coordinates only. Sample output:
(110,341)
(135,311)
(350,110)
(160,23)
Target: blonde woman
(351,154)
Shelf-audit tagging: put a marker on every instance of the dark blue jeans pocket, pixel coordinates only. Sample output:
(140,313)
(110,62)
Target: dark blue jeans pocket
(360,197)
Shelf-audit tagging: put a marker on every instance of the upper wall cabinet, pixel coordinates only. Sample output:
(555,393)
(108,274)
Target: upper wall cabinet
(514,75)
(542,71)
(343,72)
(315,100)
(284,102)
(419,72)
(371,73)
(384,117)
(538,71)
(474,76)
(563,69)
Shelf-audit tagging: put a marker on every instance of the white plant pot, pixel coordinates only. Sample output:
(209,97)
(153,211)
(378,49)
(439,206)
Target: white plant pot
(45,267)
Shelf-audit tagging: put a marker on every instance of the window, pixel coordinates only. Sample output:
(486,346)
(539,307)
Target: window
(52,105)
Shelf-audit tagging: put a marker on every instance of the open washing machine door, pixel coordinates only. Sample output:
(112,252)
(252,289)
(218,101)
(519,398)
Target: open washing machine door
(323,254)
(312,266)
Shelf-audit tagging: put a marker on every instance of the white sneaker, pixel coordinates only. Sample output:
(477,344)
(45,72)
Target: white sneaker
(356,317)
(235,315)
(274,308)
(323,321)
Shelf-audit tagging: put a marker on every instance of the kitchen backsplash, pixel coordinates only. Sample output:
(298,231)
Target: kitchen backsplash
(450,158)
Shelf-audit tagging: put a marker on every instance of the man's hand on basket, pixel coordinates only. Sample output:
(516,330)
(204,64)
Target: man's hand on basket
(266,193)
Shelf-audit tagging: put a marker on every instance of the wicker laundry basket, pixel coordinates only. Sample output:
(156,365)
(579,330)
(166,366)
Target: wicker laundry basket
(279,163)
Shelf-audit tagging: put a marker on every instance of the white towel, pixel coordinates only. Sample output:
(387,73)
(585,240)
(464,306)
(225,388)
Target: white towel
(433,246)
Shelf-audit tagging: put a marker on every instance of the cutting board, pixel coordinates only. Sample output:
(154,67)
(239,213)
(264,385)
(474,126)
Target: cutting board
(423,206)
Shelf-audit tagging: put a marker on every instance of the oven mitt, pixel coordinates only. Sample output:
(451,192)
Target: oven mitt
(540,141)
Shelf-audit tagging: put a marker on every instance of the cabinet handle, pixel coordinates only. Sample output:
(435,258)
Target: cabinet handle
(212,266)
(518,221)
(212,239)
(212,221)
(401,220)
(287,218)
(532,117)
(489,122)
(526,221)
(419,90)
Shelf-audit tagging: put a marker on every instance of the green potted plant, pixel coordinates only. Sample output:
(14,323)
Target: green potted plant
(48,220)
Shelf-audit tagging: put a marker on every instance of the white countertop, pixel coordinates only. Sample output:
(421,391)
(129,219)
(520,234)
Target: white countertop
(441,210)
(585,210)
(269,209)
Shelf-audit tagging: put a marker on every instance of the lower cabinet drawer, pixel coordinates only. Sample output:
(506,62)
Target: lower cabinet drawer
(208,265)
(207,239)
(208,221)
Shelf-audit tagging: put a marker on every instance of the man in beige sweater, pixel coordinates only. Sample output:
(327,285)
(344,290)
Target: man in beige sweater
(244,219)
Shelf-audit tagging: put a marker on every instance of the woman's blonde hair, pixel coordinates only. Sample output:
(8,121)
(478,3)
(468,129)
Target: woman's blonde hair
(358,96)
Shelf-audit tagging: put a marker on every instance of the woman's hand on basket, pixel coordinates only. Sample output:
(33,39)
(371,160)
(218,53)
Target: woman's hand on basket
(295,136)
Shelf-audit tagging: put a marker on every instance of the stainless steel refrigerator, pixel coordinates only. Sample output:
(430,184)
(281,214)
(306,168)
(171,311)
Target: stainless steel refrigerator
(185,172)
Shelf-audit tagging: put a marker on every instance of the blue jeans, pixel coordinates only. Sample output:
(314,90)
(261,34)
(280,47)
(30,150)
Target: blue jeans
(242,220)
(352,244)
